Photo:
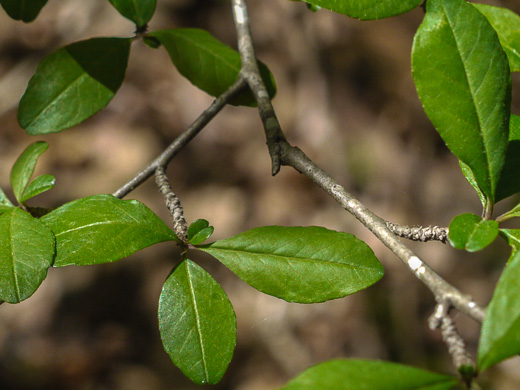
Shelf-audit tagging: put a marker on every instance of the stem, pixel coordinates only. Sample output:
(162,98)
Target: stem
(294,157)
(251,73)
(182,140)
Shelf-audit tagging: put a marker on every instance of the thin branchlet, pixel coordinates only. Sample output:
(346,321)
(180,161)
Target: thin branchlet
(419,233)
(180,227)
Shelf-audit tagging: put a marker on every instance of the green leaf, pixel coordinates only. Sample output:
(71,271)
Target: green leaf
(456,46)
(500,335)
(515,212)
(26,253)
(197,323)
(23,168)
(208,63)
(299,264)
(346,374)
(24,10)
(512,237)
(5,203)
(470,177)
(368,9)
(507,25)
(138,11)
(73,83)
(199,231)
(102,228)
(196,227)
(472,233)
(37,186)
(509,182)
(202,236)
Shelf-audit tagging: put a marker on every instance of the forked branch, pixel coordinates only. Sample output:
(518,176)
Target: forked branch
(294,157)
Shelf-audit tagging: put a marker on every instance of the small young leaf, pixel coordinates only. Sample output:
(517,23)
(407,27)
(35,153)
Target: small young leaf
(472,115)
(25,11)
(470,177)
(509,182)
(197,323)
(37,186)
(208,63)
(138,11)
(472,233)
(196,227)
(23,168)
(515,212)
(102,228)
(500,335)
(202,236)
(347,374)
(26,253)
(513,239)
(73,83)
(299,264)
(507,25)
(5,203)
(368,9)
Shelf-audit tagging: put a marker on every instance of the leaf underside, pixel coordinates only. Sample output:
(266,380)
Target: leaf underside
(368,9)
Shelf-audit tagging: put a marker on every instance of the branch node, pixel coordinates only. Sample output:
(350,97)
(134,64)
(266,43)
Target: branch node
(180,227)
(419,233)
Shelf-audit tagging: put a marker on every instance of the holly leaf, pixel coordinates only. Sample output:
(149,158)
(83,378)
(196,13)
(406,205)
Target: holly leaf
(507,25)
(26,252)
(472,233)
(73,83)
(299,264)
(26,10)
(24,166)
(367,9)
(102,228)
(347,374)
(197,323)
(138,11)
(208,63)
(37,186)
(472,115)
(500,335)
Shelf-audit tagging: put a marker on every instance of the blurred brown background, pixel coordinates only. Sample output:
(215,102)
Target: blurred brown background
(345,96)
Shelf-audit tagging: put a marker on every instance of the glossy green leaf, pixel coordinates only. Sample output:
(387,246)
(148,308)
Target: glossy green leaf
(500,335)
(470,177)
(368,9)
(456,46)
(196,227)
(73,83)
(197,323)
(37,186)
(507,25)
(26,253)
(102,228)
(23,168)
(208,63)
(24,10)
(509,182)
(347,374)
(472,233)
(202,236)
(299,264)
(5,203)
(513,239)
(138,11)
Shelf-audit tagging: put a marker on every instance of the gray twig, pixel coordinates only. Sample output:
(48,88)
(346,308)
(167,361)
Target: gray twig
(456,346)
(180,227)
(419,233)
(285,154)
(251,73)
(182,140)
